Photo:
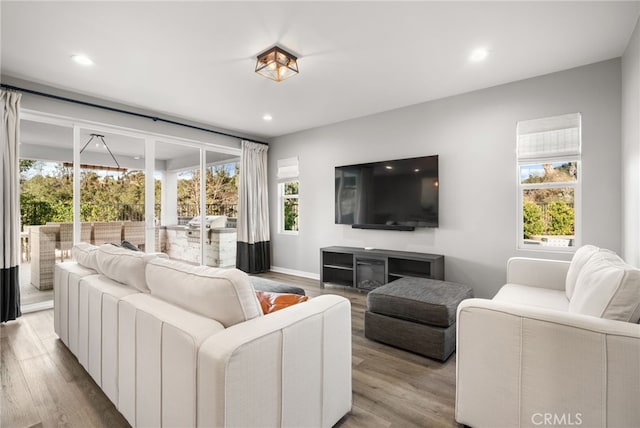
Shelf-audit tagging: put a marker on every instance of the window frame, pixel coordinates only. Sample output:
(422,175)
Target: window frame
(281,209)
(575,185)
(577,196)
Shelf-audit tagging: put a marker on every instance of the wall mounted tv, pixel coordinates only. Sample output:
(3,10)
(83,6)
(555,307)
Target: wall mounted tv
(399,194)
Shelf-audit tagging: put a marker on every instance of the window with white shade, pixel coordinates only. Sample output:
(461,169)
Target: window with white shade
(549,178)
(288,196)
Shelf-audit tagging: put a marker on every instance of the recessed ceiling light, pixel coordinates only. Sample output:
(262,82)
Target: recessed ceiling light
(389,167)
(416,170)
(478,55)
(267,117)
(82,59)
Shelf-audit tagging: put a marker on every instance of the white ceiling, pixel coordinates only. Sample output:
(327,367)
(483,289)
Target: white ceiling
(196,60)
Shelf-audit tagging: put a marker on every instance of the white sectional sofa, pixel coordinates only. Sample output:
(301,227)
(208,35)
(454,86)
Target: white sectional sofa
(174,345)
(559,345)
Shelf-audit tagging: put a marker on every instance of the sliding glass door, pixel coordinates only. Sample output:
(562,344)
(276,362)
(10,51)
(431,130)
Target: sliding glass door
(99,184)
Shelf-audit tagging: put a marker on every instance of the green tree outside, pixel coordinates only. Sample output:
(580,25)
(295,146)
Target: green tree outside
(549,210)
(561,219)
(291,206)
(532,219)
(47,193)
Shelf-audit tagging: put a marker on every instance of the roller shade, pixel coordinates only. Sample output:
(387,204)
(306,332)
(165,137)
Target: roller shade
(287,168)
(551,137)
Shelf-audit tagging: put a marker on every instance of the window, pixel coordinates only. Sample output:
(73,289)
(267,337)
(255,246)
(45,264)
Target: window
(288,191)
(549,177)
(289,204)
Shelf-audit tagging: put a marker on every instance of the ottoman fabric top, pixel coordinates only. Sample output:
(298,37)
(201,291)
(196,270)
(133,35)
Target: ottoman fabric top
(421,300)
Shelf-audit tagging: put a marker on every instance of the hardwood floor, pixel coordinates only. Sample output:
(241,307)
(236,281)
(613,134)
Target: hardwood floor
(43,385)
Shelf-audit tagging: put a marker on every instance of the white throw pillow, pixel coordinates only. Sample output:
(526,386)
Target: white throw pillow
(225,295)
(85,255)
(580,258)
(125,266)
(608,288)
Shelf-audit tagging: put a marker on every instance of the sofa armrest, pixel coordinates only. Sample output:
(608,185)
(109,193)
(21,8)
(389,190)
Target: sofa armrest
(517,364)
(288,368)
(541,273)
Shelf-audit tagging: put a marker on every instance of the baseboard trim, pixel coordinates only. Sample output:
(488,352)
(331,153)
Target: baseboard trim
(294,272)
(35,307)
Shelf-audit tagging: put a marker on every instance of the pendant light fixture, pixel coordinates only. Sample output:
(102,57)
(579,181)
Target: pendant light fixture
(277,64)
(100,138)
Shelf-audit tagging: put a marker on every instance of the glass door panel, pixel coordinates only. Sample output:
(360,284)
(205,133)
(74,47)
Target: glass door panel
(46,207)
(222,207)
(178,167)
(112,189)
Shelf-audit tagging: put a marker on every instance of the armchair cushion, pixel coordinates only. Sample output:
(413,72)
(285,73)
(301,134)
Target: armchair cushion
(579,260)
(533,296)
(607,287)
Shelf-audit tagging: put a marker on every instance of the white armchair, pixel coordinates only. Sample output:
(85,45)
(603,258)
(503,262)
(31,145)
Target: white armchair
(529,358)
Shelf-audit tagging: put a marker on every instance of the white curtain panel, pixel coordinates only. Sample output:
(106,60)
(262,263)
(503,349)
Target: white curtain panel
(10,227)
(254,253)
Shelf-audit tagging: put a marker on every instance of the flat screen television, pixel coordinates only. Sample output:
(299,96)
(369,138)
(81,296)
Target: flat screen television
(399,194)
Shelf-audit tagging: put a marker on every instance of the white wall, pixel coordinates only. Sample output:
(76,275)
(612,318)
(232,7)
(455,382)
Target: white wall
(474,134)
(631,150)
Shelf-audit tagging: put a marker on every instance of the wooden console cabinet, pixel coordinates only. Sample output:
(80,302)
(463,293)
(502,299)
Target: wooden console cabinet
(368,269)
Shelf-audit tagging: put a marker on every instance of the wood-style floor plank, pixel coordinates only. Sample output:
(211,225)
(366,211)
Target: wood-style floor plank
(50,395)
(43,385)
(24,342)
(16,397)
(42,325)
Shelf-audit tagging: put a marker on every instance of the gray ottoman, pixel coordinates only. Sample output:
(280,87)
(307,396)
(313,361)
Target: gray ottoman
(416,314)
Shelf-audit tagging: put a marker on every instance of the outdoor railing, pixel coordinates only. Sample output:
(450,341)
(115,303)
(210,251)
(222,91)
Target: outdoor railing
(38,213)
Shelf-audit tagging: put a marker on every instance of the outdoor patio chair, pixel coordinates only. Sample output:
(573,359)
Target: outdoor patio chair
(134,232)
(107,232)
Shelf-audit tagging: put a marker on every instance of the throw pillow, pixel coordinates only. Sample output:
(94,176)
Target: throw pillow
(272,302)
(129,246)
(608,288)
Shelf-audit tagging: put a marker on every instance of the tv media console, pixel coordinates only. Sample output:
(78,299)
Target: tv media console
(365,269)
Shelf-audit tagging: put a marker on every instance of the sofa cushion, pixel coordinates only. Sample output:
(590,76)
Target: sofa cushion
(85,255)
(125,266)
(608,288)
(225,295)
(533,296)
(580,258)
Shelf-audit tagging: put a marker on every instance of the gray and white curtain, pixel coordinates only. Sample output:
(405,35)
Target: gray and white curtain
(10,227)
(253,253)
